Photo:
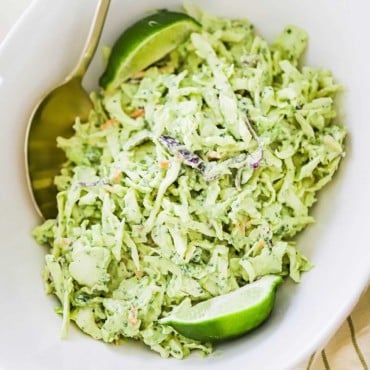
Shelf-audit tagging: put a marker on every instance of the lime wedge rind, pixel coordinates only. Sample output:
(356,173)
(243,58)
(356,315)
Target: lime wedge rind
(237,314)
(144,43)
(261,285)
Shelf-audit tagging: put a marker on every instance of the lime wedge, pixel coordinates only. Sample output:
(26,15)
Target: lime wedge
(229,315)
(144,43)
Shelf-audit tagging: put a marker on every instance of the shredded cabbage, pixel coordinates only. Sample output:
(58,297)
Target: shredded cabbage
(140,233)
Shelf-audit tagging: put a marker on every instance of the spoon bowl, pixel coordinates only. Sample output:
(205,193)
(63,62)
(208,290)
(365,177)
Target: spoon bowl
(54,116)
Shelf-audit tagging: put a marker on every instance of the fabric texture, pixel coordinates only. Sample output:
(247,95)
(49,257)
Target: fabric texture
(349,348)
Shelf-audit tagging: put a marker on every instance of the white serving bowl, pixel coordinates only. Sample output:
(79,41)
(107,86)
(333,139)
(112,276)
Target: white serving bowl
(39,53)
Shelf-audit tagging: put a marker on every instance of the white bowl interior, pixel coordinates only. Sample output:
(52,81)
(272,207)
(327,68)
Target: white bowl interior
(305,314)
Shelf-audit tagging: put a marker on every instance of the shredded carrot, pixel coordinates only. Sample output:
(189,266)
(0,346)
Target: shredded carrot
(107,124)
(63,242)
(213,155)
(240,227)
(117,175)
(139,274)
(132,316)
(138,113)
(261,244)
(164,164)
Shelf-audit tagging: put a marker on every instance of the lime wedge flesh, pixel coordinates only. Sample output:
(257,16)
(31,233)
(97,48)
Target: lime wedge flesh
(144,43)
(229,315)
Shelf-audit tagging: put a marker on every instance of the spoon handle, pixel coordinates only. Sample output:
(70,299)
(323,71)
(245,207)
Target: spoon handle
(92,40)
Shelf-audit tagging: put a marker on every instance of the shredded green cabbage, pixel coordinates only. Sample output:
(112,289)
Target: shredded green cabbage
(140,233)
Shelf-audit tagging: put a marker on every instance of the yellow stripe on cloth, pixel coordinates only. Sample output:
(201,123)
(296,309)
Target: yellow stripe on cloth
(355,344)
(349,349)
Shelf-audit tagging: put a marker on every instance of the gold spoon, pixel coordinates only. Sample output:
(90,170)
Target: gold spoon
(53,117)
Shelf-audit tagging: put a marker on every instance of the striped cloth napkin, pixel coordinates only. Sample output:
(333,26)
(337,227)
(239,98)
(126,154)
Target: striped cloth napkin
(349,348)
